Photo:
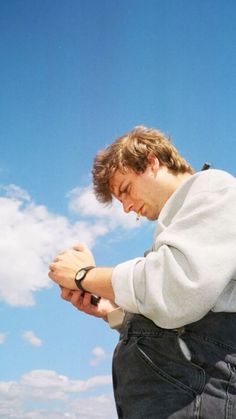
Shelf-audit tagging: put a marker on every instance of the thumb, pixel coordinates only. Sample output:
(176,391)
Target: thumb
(80,247)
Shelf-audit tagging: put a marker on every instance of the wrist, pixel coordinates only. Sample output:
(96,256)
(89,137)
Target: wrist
(99,281)
(80,276)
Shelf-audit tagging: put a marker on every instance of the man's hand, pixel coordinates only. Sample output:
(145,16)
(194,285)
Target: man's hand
(82,301)
(65,266)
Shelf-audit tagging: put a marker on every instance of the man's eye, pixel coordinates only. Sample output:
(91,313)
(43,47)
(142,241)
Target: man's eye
(126,189)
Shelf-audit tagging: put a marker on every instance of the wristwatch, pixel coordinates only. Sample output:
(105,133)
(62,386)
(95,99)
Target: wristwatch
(80,275)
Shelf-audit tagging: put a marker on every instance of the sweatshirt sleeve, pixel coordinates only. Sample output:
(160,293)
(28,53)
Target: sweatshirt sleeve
(192,262)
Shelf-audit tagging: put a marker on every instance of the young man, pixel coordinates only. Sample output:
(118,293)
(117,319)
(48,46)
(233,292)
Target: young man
(177,353)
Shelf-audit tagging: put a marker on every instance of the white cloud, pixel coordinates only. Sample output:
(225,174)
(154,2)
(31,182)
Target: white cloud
(83,202)
(99,355)
(2,338)
(60,385)
(57,395)
(101,407)
(31,338)
(31,236)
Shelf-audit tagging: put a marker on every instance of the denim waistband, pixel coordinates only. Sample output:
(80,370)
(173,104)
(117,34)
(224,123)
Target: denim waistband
(219,327)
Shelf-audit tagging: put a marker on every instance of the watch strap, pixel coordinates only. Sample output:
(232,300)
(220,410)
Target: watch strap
(78,281)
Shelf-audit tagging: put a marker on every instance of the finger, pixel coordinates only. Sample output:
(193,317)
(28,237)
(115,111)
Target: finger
(77,299)
(87,300)
(53,275)
(66,294)
(52,266)
(62,252)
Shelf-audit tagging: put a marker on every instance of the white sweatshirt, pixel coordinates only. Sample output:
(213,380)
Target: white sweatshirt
(191,268)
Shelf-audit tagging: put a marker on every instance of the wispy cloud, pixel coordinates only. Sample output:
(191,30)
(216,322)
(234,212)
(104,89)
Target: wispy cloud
(30,236)
(99,355)
(100,407)
(2,338)
(46,387)
(83,202)
(30,337)
(15,192)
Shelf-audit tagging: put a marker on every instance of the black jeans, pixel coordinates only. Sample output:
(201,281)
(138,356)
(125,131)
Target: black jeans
(186,373)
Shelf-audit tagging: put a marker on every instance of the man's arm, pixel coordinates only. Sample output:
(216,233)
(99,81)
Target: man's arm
(98,282)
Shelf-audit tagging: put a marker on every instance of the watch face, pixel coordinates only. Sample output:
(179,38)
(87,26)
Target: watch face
(81,274)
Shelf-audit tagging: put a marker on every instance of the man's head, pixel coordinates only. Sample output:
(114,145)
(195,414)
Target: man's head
(135,158)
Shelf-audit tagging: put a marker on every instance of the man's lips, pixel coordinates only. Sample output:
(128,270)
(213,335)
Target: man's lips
(140,211)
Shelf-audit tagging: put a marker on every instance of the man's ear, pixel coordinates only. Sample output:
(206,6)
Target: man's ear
(153,162)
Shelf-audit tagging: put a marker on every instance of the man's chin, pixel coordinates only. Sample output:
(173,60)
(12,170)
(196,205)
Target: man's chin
(152,217)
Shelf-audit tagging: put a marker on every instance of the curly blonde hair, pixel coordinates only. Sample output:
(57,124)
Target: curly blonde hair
(131,151)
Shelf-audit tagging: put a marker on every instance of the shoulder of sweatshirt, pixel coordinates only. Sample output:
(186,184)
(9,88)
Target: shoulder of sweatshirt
(211,180)
(208,181)
(216,179)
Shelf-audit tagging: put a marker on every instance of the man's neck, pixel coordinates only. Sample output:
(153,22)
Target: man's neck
(174,180)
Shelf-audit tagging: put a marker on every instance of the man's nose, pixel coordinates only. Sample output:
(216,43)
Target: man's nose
(127,206)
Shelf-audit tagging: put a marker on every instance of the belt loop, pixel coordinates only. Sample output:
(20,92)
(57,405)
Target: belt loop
(180,330)
(125,329)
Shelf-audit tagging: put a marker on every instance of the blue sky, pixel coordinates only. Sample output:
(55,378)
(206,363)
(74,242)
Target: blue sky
(75,75)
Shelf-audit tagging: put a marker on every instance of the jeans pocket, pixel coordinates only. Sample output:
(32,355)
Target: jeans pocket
(165,358)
